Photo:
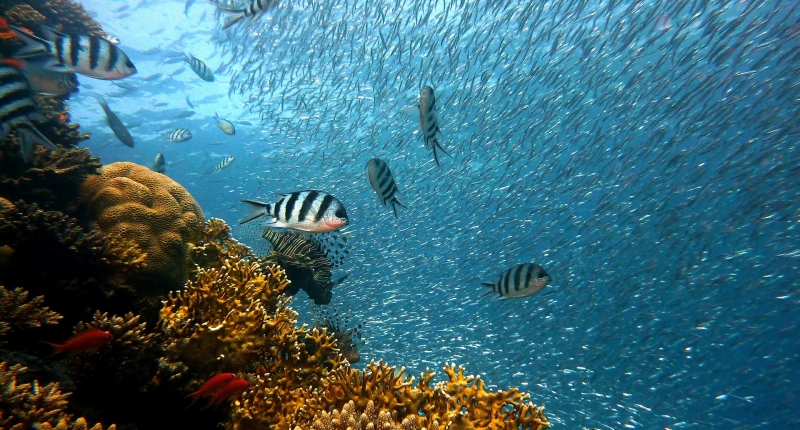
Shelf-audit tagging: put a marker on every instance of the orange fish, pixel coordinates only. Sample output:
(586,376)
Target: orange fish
(89,339)
(230,390)
(212,386)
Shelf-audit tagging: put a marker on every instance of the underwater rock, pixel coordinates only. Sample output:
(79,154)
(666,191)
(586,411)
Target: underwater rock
(150,209)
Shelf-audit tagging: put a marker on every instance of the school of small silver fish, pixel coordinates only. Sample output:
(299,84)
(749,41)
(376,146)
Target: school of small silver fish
(626,172)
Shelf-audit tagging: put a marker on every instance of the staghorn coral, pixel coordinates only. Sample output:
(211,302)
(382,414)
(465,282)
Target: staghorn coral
(63,15)
(462,402)
(369,419)
(111,379)
(20,313)
(29,405)
(78,270)
(25,16)
(150,209)
(214,247)
(340,327)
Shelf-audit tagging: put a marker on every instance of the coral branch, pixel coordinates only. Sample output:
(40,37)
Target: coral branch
(17,312)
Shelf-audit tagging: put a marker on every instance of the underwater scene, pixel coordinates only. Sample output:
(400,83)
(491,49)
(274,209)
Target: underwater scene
(356,214)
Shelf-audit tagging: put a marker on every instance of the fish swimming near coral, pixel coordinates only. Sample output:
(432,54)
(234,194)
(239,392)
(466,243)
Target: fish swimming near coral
(91,56)
(48,82)
(340,329)
(382,181)
(18,109)
(224,163)
(87,340)
(179,135)
(159,165)
(252,11)
(522,280)
(232,389)
(429,121)
(309,211)
(199,67)
(114,122)
(211,386)
(224,125)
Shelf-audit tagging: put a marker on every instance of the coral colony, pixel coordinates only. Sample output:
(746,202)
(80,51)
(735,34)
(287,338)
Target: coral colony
(161,319)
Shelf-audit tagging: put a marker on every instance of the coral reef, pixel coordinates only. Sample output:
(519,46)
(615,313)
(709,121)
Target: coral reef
(20,313)
(28,405)
(150,209)
(342,332)
(63,15)
(369,419)
(80,270)
(215,246)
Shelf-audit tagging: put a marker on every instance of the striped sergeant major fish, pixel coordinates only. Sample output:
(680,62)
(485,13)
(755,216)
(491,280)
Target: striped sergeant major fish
(253,11)
(225,162)
(429,121)
(382,181)
(114,122)
(18,109)
(92,56)
(309,211)
(179,135)
(522,280)
(199,67)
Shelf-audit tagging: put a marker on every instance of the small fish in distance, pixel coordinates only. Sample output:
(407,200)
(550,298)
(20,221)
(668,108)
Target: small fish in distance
(522,280)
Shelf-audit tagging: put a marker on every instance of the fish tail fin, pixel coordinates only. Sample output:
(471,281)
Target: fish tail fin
(57,349)
(195,397)
(396,202)
(436,147)
(488,285)
(29,137)
(33,46)
(257,209)
(233,20)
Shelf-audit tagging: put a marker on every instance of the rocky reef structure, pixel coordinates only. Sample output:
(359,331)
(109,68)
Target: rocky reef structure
(150,209)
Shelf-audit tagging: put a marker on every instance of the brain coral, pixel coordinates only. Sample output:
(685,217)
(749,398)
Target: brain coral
(152,210)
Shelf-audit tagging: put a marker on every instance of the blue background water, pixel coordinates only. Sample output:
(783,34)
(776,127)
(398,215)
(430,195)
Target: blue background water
(654,180)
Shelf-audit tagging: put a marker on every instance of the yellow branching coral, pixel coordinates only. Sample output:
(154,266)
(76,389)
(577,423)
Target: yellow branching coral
(25,16)
(460,403)
(18,312)
(215,246)
(369,419)
(25,406)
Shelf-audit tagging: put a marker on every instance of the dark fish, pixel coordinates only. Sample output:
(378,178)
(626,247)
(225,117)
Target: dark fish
(382,181)
(159,165)
(88,55)
(199,67)
(310,211)
(179,135)
(19,109)
(48,82)
(189,102)
(519,281)
(253,11)
(114,122)
(225,125)
(429,120)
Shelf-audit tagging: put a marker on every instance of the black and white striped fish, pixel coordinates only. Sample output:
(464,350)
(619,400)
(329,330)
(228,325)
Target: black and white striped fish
(522,280)
(199,67)
(18,109)
(225,162)
(382,181)
(309,211)
(179,135)
(253,11)
(88,55)
(429,121)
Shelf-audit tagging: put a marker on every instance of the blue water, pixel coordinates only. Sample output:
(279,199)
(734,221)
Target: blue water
(648,161)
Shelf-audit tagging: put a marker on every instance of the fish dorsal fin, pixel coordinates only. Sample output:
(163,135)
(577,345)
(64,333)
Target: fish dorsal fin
(279,196)
(50,33)
(411,111)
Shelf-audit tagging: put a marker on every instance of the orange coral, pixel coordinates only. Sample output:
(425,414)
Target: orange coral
(150,209)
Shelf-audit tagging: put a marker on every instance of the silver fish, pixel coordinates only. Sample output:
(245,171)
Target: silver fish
(382,181)
(88,55)
(522,280)
(225,162)
(225,125)
(48,82)
(114,122)
(159,165)
(18,109)
(199,67)
(179,135)
(310,211)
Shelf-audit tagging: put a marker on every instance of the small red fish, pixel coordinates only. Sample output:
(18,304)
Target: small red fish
(15,63)
(229,391)
(212,386)
(89,339)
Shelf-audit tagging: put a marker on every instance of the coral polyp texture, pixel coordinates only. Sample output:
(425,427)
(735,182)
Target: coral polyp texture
(150,209)
(19,313)
(26,406)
